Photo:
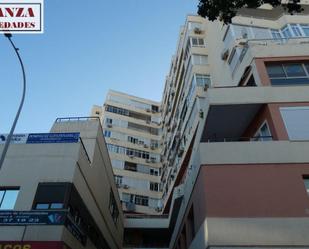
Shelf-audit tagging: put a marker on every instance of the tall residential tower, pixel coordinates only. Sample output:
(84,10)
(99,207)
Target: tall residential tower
(132,129)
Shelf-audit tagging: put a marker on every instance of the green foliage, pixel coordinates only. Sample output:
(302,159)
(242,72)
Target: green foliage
(225,10)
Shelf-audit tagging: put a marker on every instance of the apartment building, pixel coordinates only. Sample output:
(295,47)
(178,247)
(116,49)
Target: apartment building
(51,191)
(245,183)
(235,131)
(132,129)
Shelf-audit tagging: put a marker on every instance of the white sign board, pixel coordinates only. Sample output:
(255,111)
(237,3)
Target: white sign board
(24,16)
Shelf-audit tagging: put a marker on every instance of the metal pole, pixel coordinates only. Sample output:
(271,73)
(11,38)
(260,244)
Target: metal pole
(8,140)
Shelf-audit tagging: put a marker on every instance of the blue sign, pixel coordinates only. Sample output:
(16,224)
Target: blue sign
(22,218)
(44,138)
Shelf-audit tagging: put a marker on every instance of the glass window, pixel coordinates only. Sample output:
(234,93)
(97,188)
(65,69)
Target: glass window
(194,25)
(276,34)
(154,186)
(202,80)
(286,32)
(263,134)
(305,29)
(118,179)
(126,197)
(107,133)
(113,207)
(275,71)
(199,59)
(141,200)
(109,121)
(197,42)
(8,200)
(306,181)
(1,195)
(42,206)
(288,74)
(294,70)
(296,30)
(307,67)
(56,205)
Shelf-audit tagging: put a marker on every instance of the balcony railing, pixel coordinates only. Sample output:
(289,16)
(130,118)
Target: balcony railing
(240,139)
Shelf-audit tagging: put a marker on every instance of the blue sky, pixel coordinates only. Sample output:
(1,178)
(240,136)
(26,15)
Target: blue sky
(87,48)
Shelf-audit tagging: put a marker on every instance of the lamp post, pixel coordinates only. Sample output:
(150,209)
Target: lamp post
(9,138)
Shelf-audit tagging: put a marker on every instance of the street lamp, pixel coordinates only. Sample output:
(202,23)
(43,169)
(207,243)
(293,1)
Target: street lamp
(8,140)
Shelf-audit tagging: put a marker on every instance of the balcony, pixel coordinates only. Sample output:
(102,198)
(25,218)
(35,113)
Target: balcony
(229,111)
(244,50)
(254,152)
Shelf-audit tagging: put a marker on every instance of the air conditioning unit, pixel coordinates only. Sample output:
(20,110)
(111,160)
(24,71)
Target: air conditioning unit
(131,156)
(126,186)
(225,54)
(148,161)
(109,125)
(153,160)
(206,88)
(152,147)
(148,110)
(146,146)
(197,31)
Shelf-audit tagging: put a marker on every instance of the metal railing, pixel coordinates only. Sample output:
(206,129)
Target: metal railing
(147,216)
(241,139)
(74,119)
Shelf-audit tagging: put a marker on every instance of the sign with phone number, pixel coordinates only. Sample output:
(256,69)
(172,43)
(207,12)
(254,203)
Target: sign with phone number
(32,245)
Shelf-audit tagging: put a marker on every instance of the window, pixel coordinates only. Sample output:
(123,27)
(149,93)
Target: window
(306,182)
(130,166)
(141,200)
(305,29)
(286,32)
(275,71)
(288,73)
(296,121)
(276,34)
(107,133)
(263,133)
(118,180)
(49,206)
(154,172)
(197,42)
(154,186)
(155,108)
(117,110)
(126,197)
(296,30)
(294,70)
(8,198)
(132,140)
(202,80)
(194,25)
(51,195)
(198,59)
(109,121)
(113,207)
